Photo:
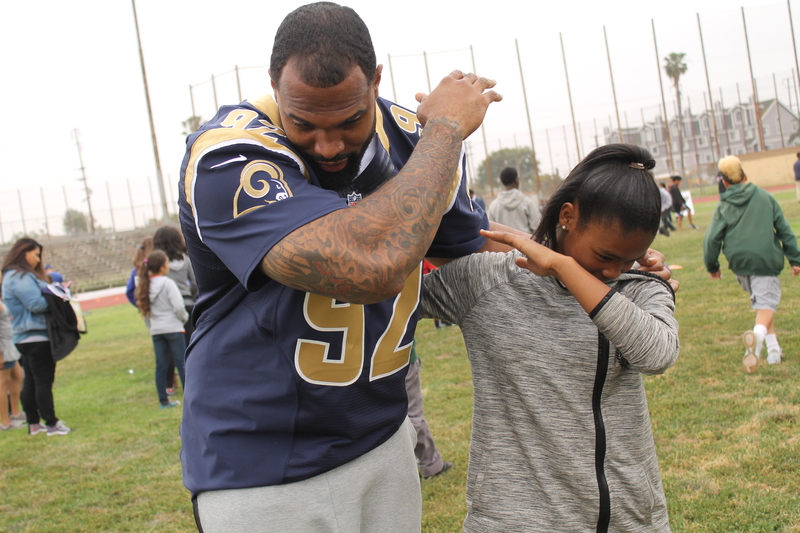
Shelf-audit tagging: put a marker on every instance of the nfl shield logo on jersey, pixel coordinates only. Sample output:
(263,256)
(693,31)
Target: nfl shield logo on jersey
(353,198)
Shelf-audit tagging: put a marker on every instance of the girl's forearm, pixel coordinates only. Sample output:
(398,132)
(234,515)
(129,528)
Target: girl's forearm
(587,289)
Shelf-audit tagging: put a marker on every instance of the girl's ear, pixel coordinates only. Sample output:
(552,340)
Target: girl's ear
(568,216)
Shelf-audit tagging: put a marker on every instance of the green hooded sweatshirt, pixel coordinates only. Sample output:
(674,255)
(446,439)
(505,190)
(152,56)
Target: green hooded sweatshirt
(749,226)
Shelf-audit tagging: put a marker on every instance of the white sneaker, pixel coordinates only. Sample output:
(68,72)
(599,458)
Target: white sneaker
(60,428)
(750,359)
(14,424)
(774,356)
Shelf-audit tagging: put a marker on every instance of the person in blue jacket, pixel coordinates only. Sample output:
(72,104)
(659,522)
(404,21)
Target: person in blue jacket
(23,280)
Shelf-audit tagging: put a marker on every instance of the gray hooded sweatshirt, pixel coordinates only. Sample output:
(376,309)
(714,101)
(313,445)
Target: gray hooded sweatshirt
(514,209)
(180,271)
(167,313)
(561,437)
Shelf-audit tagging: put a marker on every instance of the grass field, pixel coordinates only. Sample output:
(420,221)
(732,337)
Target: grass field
(728,442)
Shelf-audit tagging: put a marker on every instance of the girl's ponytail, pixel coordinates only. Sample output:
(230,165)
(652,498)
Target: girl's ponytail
(151,266)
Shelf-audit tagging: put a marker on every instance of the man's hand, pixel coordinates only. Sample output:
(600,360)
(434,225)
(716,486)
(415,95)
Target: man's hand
(654,263)
(460,100)
(718,274)
(795,270)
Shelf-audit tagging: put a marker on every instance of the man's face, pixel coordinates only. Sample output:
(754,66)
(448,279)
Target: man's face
(331,127)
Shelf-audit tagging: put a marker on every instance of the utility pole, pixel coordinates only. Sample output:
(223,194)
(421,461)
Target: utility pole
(489,177)
(165,213)
(530,129)
(83,178)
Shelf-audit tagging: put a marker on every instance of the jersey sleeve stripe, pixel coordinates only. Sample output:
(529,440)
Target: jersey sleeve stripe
(459,173)
(267,105)
(381,130)
(217,139)
(220,138)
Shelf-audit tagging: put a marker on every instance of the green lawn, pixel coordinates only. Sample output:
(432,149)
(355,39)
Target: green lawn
(728,442)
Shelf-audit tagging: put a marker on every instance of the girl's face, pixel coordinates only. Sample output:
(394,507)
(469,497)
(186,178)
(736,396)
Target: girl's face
(604,251)
(164,270)
(33,257)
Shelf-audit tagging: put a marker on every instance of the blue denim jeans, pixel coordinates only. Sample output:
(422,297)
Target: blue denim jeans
(164,345)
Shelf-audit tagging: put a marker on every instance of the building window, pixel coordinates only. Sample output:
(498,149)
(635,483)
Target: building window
(708,158)
(766,131)
(654,150)
(701,141)
(735,135)
(749,134)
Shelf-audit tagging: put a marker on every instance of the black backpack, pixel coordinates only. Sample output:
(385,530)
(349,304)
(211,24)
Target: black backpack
(62,323)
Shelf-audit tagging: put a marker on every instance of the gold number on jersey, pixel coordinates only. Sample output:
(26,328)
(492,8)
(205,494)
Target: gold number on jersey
(406,119)
(239,118)
(313,359)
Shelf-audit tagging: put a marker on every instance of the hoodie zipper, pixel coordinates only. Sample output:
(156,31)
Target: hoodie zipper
(604,514)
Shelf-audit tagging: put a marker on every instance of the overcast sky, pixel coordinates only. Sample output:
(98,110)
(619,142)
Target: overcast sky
(75,65)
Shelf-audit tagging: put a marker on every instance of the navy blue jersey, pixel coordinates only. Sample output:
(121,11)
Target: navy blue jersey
(283,385)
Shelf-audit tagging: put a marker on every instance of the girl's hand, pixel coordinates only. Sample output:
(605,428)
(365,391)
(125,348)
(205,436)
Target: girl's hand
(541,260)
(538,259)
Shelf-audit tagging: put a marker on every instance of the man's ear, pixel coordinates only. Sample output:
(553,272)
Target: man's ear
(274,86)
(377,81)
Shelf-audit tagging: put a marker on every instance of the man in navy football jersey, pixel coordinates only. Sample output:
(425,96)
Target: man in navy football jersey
(306,215)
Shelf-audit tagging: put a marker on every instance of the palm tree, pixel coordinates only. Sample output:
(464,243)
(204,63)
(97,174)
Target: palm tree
(675,67)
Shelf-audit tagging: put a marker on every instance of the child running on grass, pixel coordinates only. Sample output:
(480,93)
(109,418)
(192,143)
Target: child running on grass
(160,303)
(559,333)
(749,227)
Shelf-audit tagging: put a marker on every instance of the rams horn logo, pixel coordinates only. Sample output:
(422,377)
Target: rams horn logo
(260,180)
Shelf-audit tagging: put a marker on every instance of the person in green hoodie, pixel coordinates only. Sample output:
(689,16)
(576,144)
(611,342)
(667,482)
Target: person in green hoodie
(749,227)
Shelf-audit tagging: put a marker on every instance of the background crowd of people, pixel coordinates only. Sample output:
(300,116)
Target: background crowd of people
(162,286)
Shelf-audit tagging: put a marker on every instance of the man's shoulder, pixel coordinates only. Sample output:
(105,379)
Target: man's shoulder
(242,132)
(257,120)
(396,125)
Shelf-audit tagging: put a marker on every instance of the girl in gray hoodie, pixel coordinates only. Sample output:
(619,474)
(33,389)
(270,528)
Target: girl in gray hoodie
(160,303)
(558,334)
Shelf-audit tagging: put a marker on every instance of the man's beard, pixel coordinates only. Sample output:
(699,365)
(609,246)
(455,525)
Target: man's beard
(341,180)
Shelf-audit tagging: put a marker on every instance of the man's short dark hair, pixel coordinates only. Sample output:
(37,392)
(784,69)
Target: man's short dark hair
(328,40)
(676,178)
(508,176)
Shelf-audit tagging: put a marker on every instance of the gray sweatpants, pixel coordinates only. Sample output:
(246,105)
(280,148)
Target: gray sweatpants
(377,492)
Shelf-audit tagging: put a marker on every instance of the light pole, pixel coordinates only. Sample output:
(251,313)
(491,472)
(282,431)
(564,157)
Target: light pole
(165,213)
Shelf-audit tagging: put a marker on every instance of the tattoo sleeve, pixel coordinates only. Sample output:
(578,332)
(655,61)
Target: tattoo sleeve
(364,254)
